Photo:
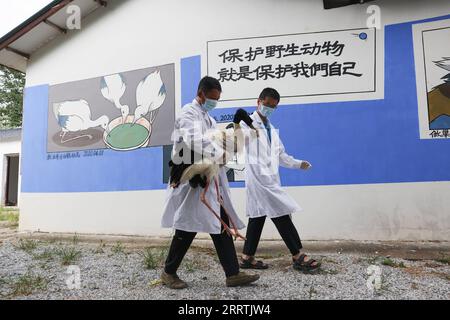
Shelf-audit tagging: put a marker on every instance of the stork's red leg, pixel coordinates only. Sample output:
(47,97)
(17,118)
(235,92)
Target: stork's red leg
(237,234)
(233,225)
(206,203)
(219,197)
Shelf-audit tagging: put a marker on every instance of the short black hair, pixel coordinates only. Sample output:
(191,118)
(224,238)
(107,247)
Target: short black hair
(271,93)
(209,83)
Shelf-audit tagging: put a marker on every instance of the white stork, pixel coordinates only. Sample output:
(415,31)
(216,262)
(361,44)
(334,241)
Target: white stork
(205,171)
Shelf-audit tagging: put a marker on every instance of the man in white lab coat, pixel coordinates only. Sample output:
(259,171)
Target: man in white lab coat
(265,196)
(183,210)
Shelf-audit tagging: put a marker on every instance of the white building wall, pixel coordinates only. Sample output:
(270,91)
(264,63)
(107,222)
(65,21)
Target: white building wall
(129,35)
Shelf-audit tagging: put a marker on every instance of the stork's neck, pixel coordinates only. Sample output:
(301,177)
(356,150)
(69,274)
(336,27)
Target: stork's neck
(96,123)
(118,104)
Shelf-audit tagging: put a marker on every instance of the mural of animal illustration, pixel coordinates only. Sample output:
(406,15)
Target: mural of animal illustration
(439,99)
(150,96)
(75,116)
(113,88)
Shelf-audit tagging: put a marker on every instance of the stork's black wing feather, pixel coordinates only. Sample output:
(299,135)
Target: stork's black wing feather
(177,170)
(198,181)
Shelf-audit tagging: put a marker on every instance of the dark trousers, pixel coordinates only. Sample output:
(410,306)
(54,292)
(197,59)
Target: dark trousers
(285,227)
(223,243)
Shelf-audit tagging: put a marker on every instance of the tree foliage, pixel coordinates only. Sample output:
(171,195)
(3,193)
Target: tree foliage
(12,83)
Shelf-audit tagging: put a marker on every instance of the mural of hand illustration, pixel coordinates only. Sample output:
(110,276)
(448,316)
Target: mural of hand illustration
(75,116)
(113,88)
(150,96)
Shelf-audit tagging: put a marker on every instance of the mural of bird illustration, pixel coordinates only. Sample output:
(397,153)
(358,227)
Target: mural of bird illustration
(113,88)
(150,96)
(439,99)
(444,64)
(75,116)
(205,171)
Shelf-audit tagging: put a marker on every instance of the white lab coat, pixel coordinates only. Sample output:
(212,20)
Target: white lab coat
(265,196)
(183,208)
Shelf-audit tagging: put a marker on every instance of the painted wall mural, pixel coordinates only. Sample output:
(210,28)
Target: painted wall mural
(123,112)
(432,59)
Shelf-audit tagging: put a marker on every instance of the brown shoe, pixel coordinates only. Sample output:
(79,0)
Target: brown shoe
(241,279)
(173,281)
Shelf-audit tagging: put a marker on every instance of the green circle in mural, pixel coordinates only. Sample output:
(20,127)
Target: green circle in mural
(127,136)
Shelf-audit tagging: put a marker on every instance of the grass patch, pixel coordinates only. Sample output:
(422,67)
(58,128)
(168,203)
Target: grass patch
(27,284)
(8,215)
(391,263)
(75,239)
(385,261)
(100,248)
(68,255)
(191,265)
(45,255)
(153,257)
(130,281)
(27,245)
(374,260)
(443,260)
(118,248)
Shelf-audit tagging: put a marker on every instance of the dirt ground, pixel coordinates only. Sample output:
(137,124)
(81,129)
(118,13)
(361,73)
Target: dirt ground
(73,267)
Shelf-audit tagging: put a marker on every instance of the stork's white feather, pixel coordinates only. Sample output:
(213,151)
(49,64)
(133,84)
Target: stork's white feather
(226,140)
(205,168)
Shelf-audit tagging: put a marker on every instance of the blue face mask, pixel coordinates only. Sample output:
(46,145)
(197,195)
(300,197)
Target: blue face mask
(209,104)
(266,111)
